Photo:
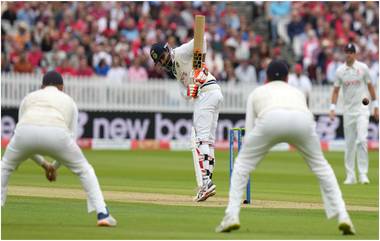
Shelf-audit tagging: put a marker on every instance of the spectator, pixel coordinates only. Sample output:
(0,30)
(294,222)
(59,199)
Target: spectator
(5,65)
(65,68)
(35,56)
(246,73)
(332,67)
(127,30)
(300,81)
(101,53)
(228,75)
(137,73)
(296,25)
(23,65)
(118,73)
(22,36)
(102,68)
(84,69)
(279,14)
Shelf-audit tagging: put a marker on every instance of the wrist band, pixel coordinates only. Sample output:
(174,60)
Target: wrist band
(375,103)
(332,107)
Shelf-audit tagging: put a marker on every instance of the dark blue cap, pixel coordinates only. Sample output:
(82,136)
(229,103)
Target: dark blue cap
(350,48)
(52,78)
(277,70)
(156,51)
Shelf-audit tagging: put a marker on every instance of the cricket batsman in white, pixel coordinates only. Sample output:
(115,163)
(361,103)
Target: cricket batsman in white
(277,112)
(353,76)
(47,125)
(201,87)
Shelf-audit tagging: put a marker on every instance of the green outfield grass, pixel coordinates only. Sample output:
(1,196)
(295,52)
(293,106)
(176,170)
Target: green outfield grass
(281,176)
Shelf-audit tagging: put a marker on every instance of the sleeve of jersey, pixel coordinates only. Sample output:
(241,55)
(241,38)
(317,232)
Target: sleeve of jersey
(74,122)
(38,159)
(188,48)
(21,109)
(367,77)
(250,114)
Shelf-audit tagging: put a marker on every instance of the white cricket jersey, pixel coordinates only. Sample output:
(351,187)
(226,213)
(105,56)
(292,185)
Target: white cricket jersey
(354,83)
(271,96)
(183,64)
(49,107)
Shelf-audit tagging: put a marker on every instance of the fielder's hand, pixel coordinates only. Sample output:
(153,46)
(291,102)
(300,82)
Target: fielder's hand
(193,90)
(200,75)
(50,172)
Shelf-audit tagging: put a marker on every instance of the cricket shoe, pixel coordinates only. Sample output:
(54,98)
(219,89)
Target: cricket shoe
(363,179)
(228,224)
(350,181)
(346,227)
(206,191)
(106,220)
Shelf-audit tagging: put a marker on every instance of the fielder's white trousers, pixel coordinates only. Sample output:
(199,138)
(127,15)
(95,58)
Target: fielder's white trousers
(55,142)
(355,135)
(296,128)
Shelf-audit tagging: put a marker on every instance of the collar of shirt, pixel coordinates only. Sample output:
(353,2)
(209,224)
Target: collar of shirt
(352,66)
(51,87)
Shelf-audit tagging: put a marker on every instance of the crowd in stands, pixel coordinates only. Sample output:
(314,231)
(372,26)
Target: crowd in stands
(113,39)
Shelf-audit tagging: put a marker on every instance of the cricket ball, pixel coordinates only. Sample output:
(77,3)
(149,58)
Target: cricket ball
(365,101)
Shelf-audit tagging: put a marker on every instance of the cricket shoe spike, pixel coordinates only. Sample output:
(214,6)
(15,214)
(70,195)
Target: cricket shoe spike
(206,191)
(228,224)
(106,220)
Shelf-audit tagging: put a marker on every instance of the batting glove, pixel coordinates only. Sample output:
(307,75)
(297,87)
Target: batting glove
(193,90)
(200,75)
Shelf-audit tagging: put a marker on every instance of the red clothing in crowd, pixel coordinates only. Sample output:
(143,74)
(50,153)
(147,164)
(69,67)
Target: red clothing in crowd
(85,72)
(66,70)
(35,57)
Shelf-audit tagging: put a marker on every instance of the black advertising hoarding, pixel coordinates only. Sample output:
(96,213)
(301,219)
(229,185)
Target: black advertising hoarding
(166,126)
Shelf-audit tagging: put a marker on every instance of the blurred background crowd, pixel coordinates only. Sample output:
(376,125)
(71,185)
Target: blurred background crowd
(113,39)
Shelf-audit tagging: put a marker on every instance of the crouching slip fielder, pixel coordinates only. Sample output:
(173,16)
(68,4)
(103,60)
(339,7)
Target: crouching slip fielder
(277,112)
(200,86)
(47,125)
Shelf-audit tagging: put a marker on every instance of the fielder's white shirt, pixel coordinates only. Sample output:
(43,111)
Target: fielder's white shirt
(271,96)
(183,64)
(354,83)
(49,107)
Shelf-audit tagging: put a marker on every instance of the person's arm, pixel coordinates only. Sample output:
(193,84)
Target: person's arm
(334,96)
(50,170)
(74,122)
(250,115)
(188,48)
(375,101)
(334,99)
(372,92)
(21,109)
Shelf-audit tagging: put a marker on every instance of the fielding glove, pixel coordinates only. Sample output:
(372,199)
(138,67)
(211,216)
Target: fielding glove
(193,90)
(200,75)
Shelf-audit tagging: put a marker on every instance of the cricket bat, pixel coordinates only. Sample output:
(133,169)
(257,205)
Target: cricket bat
(199,30)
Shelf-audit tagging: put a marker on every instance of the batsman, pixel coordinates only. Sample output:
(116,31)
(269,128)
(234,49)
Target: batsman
(186,64)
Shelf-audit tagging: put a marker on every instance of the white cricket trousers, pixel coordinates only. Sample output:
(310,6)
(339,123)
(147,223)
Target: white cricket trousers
(296,128)
(355,135)
(205,120)
(55,142)
(206,113)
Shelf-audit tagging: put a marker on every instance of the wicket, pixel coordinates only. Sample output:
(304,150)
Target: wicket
(240,133)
